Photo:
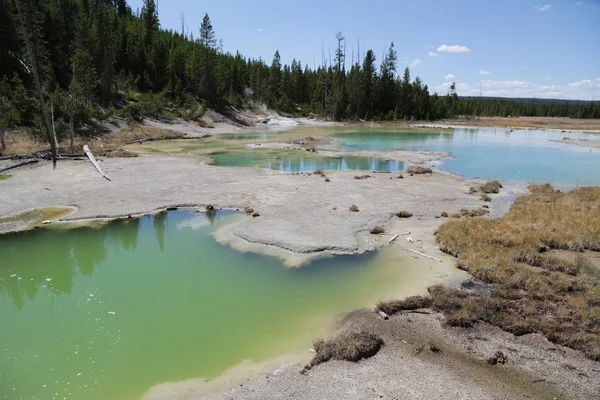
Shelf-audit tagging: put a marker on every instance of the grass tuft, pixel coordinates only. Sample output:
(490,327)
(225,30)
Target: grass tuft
(391,307)
(348,346)
(377,230)
(491,187)
(545,188)
(418,170)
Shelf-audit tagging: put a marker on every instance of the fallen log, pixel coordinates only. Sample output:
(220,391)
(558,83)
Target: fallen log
(392,240)
(19,165)
(424,255)
(381,313)
(89,154)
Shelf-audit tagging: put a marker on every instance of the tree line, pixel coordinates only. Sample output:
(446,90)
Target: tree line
(67,64)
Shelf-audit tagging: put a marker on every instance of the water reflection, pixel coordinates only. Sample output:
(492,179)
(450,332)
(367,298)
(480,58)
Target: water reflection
(58,255)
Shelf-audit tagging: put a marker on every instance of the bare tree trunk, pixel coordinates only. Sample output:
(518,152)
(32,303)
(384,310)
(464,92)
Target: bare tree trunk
(72,111)
(36,77)
(53,129)
(2,139)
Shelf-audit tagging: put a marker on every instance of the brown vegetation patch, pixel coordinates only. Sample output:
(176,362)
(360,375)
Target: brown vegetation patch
(404,214)
(349,346)
(354,208)
(391,307)
(531,291)
(418,170)
(546,188)
(377,230)
(473,213)
(491,187)
(362,176)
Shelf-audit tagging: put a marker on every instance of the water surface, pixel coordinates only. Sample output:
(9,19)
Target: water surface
(106,313)
(519,155)
(286,161)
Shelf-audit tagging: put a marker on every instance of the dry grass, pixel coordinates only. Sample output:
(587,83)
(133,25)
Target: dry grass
(473,213)
(110,145)
(349,346)
(418,170)
(533,122)
(546,188)
(354,208)
(404,214)
(377,230)
(530,289)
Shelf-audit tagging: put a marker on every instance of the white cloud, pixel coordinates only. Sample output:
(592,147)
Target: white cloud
(195,223)
(543,8)
(586,84)
(453,49)
(450,77)
(484,72)
(259,30)
(415,62)
(585,89)
(432,54)
(579,3)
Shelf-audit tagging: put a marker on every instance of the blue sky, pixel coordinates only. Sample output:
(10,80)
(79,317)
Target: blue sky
(547,48)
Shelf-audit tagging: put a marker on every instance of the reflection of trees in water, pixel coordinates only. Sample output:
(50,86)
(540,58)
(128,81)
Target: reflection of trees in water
(124,232)
(160,227)
(33,257)
(211,214)
(38,255)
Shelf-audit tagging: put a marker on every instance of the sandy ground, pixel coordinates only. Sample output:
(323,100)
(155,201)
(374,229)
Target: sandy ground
(595,144)
(300,214)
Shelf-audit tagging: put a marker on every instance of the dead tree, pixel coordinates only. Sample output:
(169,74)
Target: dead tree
(33,61)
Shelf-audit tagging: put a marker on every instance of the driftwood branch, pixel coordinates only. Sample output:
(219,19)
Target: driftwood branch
(381,313)
(424,255)
(19,165)
(89,154)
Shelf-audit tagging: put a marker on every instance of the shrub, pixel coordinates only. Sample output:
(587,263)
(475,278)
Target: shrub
(433,347)
(404,214)
(348,346)
(248,210)
(491,187)
(362,176)
(354,208)
(486,198)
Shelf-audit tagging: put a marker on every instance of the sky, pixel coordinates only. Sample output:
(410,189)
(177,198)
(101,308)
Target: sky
(507,48)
